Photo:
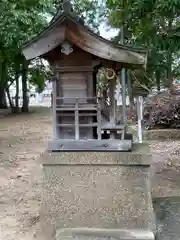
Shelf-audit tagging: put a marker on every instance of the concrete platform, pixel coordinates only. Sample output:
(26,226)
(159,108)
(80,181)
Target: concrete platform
(97,190)
(103,234)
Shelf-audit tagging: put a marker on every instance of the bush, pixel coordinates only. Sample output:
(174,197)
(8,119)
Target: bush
(162,111)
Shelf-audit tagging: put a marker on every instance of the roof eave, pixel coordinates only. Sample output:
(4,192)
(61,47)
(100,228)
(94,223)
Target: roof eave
(31,49)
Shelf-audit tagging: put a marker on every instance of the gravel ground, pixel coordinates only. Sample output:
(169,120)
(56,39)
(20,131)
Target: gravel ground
(165,168)
(22,139)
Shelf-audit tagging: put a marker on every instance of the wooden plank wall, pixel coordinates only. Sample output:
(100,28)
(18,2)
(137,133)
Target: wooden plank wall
(74,80)
(75,85)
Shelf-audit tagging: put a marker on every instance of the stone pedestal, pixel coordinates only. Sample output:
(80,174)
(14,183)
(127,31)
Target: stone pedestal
(96,190)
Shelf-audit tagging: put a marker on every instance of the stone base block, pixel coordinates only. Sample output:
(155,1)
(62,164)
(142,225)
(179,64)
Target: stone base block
(96,190)
(103,234)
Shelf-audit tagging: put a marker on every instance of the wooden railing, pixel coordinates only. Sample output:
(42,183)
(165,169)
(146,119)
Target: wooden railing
(77,105)
(91,106)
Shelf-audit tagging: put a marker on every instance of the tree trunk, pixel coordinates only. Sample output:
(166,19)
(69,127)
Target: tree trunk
(169,60)
(3,102)
(25,105)
(169,68)
(10,101)
(158,80)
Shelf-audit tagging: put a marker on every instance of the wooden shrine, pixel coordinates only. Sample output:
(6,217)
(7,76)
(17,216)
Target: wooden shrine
(75,54)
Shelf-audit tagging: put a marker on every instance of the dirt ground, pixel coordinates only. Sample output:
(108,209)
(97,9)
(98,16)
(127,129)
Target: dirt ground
(22,139)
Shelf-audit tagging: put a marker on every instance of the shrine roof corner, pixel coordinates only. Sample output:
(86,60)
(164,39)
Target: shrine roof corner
(66,25)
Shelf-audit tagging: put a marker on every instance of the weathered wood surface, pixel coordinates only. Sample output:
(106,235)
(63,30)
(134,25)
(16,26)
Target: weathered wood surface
(74,124)
(99,117)
(112,126)
(65,114)
(74,95)
(54,118)
(85,39)
(47,41)
(84,108)
(112,108)
(73,86)
(90,145)
(74,69)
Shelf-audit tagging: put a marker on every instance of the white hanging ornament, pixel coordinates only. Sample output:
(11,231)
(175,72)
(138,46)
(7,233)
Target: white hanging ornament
(66,48)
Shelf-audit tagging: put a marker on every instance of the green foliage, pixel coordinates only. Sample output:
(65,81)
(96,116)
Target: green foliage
(23,19)
(155,24)
(92,11)
(19,21)
(38,72)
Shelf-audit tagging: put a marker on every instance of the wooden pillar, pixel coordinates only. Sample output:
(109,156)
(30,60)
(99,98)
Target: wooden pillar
(123,93)
(112,85)
(54,118)
(76,121)
(139,101)
(90,84)
(99,121)
(90,94)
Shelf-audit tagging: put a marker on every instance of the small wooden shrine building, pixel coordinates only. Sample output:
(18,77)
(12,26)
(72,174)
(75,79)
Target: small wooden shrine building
(75,54)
